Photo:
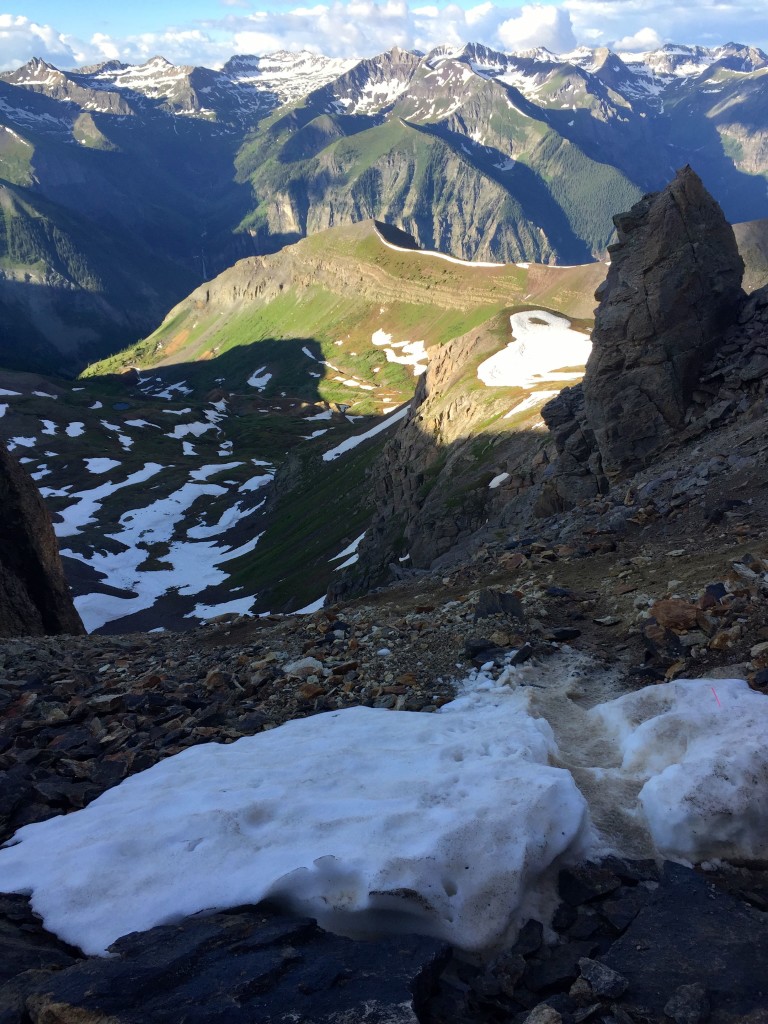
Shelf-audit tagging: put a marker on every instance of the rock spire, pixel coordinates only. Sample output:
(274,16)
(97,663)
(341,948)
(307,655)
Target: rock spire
(673,287)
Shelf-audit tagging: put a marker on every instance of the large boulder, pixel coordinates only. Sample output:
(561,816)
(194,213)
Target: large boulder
(673,287)
(34,596)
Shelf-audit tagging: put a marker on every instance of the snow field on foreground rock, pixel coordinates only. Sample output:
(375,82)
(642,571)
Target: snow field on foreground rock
(368,820)
(451,824)
(700,750)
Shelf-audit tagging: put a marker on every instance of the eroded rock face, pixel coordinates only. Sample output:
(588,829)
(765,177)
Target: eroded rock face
(673,287)
(34,596)
(244,965)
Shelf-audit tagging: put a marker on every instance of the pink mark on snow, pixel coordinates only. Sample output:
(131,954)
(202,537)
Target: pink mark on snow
(716,697)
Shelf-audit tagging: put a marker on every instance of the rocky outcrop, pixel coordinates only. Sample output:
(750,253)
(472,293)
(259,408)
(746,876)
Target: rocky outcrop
(672,292)
(248,964)
(34,596)
(575,475)
(673,288)
(431,486)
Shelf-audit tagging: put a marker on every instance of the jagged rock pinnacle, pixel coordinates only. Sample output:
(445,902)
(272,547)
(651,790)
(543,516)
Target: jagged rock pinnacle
(673,286)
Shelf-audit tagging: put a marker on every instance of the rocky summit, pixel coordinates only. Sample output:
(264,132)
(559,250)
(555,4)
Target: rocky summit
(603,582)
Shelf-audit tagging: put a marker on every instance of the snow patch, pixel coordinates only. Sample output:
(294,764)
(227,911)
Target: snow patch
(412,353)
(255,482)
(99,465)
(84,509)
(259,379)
(353,442)
(437,255)
(238,606)
(196,429)
(363,818)
(534,399)
(206,471)
(545,343)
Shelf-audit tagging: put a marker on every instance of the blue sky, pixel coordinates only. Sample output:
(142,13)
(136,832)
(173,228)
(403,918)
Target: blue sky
(209,31)
(119,19)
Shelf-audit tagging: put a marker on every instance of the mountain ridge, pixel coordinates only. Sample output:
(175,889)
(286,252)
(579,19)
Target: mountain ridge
(483,154)
(559,632)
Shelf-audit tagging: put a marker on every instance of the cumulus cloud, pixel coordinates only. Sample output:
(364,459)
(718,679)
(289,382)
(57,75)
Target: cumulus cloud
(183,46)
(538,26)
(365,27)
(21,38)
(706,22)
(643,39)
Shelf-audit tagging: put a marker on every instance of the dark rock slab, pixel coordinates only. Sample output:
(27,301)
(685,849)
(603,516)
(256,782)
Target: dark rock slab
(28,957)
(691,933)
(24,943)
(496,602)
(34,595)
(251,964)
(586,882)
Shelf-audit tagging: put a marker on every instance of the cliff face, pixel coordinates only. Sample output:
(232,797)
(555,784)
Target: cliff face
(673,286)
(432,486)
(34,596)
(670,302)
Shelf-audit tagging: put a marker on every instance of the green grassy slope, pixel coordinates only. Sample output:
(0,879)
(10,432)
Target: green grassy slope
(336,290)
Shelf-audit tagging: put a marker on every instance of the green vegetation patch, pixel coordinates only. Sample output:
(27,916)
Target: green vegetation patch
(309,524)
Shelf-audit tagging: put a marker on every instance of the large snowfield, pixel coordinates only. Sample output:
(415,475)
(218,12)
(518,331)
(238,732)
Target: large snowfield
(451,824)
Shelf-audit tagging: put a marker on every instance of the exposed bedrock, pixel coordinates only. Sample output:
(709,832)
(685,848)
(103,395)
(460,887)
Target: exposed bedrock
(673,287)
(34,596)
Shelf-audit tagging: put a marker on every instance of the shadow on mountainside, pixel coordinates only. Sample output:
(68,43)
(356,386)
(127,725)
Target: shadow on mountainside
(317,507)
(284,424)
(58,331)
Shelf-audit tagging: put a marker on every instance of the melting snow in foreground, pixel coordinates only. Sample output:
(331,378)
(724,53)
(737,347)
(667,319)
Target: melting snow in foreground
(544,344)
(338,814)
(451,824)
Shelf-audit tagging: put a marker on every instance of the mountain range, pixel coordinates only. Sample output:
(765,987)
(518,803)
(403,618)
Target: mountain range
(560,643)
(123,187)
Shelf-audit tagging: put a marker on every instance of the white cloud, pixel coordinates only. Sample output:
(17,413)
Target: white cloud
(705,22)
(366,27)
(643,39)
(108,49)
(21,39)
(536,25)
(180,46)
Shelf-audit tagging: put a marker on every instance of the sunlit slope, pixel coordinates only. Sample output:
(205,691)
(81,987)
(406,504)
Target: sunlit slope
(340,293)
(752,239)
